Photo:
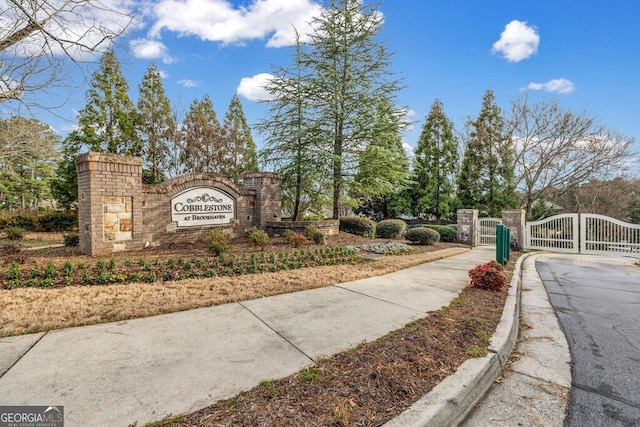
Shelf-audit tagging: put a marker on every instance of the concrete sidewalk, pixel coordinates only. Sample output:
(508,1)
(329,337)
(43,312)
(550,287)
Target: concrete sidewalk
(145,369)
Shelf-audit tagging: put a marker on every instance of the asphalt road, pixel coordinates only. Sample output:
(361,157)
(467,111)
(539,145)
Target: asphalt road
(597,300)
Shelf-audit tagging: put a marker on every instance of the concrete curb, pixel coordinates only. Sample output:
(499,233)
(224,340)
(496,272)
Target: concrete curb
(452,399)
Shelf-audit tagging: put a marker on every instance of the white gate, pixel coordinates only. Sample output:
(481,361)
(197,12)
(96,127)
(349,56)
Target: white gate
(583,233)
(558,233)
(601,234)
(487,230)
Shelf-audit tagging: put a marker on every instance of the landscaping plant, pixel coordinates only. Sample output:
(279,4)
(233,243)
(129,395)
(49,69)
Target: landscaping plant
(486,276)
(422,236)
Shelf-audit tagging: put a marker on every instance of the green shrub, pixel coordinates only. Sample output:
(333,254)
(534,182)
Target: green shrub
(318,238)
(310,231)
(391,228)
(218,241)
(422,236)
(14,233)
(313,218)
(357,225)
(27,222)
(447,234)
(287,235)
(71,239)
(56,222)
(257,237)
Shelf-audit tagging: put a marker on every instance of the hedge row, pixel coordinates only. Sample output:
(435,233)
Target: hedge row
(52,222)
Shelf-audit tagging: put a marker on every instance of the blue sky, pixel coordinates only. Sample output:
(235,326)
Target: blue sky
(585,54)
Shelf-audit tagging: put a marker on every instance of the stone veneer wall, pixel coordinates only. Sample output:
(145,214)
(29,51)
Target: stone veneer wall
(116,212)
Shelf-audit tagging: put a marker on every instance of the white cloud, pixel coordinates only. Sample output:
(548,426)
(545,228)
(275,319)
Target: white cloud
(150,49)
(253,88)
(518,41)
(561,86)
(189,83)
(219,20)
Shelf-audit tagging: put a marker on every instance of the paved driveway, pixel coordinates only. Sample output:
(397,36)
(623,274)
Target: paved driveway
(598,304)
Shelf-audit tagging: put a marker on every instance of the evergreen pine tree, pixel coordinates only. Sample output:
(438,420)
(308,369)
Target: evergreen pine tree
(436,164)
(486,180)
(155,125)
(291,144)
(201,138)
(351,76)
(239,152)
(107,122)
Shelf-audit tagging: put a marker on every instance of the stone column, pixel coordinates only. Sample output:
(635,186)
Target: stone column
(515,220)
(109,202)
(268,188)
(467,226)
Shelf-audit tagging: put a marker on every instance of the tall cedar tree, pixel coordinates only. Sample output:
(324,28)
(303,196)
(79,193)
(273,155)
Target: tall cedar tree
(107,122)
(351,77)
(291,145)
(383,168)
(201,138)
(238,155)
(436,164)
(155,125)
(486,180)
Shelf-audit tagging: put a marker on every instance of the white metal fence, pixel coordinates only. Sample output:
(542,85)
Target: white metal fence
(487,230)
(583,233)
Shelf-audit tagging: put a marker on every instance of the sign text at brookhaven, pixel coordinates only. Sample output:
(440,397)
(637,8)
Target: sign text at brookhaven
(202,206)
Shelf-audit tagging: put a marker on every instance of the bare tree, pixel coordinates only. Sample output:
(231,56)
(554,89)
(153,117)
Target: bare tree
(557,149)
(38,37)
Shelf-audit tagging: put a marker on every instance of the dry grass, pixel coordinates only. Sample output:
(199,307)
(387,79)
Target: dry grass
(28,310)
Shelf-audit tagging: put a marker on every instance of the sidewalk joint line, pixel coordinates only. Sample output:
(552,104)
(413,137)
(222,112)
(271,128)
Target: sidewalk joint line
(380,299)
(22,355)
(277,333)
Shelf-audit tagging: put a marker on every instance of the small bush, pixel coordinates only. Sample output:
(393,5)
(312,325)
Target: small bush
(218,241)
(310,231)
(318,238)
(287,235)
(298,239)
(71,239)
(14,233)
(359,226)
(26,222)
(391,228)
(422,236)
(257,237)
(56,222)
(313,218)
(447,234)
(484,276)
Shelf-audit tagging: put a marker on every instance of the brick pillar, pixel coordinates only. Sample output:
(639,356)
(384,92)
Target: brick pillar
(467,225)
(268,188)
(515,220)
(109,202)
